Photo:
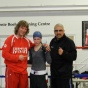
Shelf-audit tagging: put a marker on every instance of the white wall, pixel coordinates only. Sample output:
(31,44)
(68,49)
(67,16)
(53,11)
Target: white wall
(72,25)
(7,3)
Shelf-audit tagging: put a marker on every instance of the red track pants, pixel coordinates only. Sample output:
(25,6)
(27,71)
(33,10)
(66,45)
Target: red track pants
(15,80)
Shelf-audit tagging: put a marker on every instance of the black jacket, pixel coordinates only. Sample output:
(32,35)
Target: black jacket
(62,65)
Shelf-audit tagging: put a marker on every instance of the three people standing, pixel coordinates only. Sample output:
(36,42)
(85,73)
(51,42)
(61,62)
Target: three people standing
(15,52)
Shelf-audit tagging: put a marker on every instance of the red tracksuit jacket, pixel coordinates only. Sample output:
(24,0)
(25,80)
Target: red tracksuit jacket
(12,48)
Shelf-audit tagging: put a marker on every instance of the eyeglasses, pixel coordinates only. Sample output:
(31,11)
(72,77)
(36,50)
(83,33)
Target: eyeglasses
(58,30)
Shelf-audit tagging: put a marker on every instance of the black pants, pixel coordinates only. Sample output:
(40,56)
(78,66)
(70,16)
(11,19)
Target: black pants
(37,81)
(61,83)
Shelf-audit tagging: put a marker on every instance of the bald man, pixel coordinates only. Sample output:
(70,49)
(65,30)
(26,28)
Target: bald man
(63,53)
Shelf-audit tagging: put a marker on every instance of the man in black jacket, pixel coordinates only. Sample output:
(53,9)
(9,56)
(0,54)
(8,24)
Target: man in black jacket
(63,53)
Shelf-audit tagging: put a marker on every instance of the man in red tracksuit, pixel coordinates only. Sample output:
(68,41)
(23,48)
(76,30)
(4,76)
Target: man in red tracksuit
(15,53)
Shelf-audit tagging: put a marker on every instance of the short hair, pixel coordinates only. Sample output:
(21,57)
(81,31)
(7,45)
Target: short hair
(22,23)
(58,25)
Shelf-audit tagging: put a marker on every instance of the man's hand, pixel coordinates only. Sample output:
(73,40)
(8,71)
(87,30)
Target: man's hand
(60,51)
(47,47)
(21,57)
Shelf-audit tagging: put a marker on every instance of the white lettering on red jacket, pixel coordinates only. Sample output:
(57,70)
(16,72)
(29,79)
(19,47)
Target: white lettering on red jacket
(19,50)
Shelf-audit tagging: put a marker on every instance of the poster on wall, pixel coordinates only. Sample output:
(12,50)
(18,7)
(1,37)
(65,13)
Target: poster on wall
(85,33)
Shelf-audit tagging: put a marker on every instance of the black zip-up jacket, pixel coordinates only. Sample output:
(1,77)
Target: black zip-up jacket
(62,65)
